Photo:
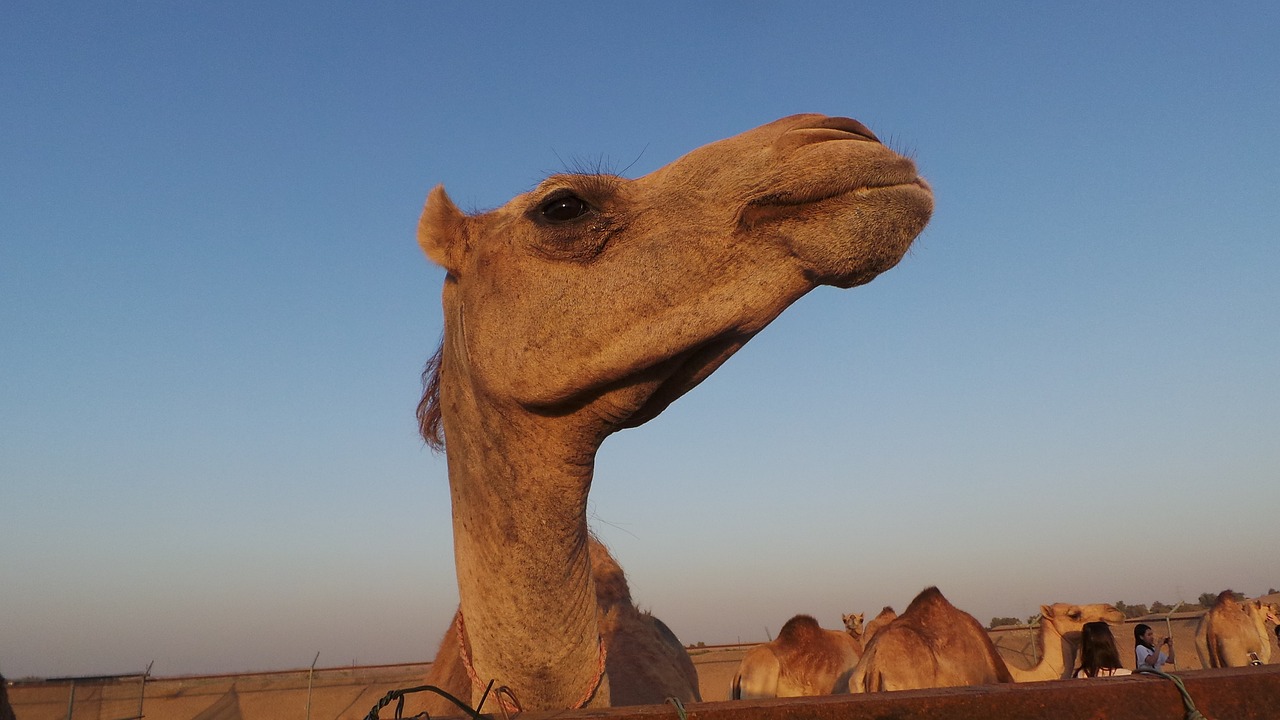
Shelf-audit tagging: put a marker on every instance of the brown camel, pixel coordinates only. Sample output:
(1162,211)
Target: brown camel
(805,659)
(1060,626)
(931,644)
(1232,633)
(586,306)
(886,616)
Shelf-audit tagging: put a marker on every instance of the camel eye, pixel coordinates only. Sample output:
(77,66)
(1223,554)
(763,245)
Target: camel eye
(563,208)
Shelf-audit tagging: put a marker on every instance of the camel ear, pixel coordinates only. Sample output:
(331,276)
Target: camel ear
(1046,611)
(442,230)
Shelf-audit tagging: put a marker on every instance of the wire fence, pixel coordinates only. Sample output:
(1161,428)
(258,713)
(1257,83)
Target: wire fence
(88,698)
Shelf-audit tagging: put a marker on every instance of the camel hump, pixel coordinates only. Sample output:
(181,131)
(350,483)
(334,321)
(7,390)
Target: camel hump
(930,596)
(1226,598)
(799,629)
(930,602)
(610,580)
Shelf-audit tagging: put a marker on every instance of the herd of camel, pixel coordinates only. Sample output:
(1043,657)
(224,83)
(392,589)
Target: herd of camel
(934,644)
(586,306)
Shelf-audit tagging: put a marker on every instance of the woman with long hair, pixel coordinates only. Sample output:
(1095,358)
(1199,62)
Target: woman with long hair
(1145,650)
(1098,654)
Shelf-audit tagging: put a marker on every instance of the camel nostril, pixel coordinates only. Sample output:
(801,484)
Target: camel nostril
(851,126)
(825,129)
(841,125)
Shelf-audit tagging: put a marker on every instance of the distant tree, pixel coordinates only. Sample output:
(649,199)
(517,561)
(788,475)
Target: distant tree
(1159,608)
(1133,611)
(1207,599)
(1272,591)
(998,621)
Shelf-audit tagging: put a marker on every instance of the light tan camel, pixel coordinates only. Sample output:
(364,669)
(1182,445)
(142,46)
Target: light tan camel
(586,306)
(1230,631)
(931,644)
(853,625)
(886,616)
(805,659)
(1060,626)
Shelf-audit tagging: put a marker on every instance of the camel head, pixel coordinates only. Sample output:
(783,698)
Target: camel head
(601,299)
(1068,619)
(853,623)
(1262,612)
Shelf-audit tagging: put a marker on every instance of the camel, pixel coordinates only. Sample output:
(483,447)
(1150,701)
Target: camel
(1232,633)
(931,644)
(805,659)
(886,616)
(853,626)
(1060,626)
(586,306)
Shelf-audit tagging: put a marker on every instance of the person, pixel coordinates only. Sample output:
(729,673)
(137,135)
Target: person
(1098,654)
(1253,657)
(1147,653)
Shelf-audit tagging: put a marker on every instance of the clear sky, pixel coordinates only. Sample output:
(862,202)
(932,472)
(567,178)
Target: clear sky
(214,314)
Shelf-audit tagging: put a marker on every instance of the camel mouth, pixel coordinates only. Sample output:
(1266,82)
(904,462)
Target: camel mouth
(767,206)
(913,185)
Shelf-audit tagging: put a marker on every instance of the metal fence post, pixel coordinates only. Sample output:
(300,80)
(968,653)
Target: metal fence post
(142,688)
(311,674)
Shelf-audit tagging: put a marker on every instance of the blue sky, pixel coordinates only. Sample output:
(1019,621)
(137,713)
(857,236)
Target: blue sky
(213,316)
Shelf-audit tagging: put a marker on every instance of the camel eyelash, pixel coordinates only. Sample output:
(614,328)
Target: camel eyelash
(589,186)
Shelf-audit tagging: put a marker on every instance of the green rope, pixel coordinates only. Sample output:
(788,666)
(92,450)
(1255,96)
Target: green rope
(679,706)
(398,695)
(1192,712)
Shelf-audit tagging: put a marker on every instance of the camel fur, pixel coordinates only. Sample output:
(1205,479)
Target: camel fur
(877,623)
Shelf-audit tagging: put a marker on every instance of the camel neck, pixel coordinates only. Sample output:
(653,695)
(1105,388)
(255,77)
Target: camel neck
(519,493)
(1059,653)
